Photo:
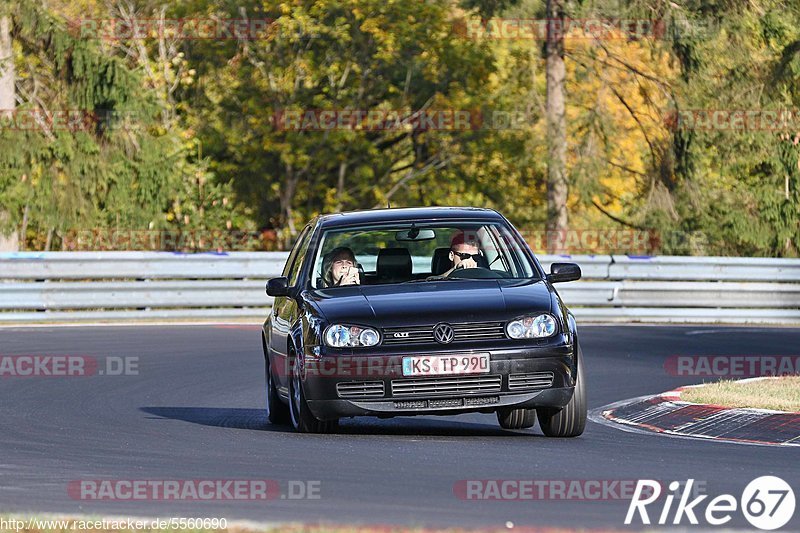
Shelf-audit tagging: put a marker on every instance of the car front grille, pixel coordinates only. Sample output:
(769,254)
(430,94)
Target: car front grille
(447,385)
(360,389)
(531,380)
(464,331)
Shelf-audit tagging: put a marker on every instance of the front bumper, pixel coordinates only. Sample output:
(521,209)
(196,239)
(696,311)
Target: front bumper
(392,394)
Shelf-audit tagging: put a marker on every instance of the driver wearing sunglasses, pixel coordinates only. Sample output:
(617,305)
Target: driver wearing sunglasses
(464,252)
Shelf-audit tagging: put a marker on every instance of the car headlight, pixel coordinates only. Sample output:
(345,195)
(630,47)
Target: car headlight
(532,327)
(343,336)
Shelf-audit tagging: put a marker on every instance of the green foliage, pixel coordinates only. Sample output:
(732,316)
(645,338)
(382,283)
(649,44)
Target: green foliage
(102,161)
(196,141)
(364,55)
(740,186)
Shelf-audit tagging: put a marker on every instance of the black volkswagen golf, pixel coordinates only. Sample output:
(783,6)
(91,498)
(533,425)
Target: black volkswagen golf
(400,312)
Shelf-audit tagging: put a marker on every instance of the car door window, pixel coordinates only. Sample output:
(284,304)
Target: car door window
(297,256)
(288,267)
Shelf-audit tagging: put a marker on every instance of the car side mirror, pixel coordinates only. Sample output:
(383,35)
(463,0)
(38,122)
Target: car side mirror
(560,272)
(278,287)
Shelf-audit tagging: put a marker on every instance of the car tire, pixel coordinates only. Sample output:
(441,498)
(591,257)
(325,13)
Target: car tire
(516,418)
(569,421)
(303,420)
(277,411)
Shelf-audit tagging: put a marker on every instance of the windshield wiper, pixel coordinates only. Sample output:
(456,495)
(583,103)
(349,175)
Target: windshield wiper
(434,278)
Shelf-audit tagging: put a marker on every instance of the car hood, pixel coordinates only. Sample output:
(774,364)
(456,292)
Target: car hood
(432,302)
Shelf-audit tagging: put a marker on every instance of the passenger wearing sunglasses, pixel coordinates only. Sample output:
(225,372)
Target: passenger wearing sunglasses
(464,252)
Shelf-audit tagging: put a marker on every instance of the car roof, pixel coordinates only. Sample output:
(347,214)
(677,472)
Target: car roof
(407,214)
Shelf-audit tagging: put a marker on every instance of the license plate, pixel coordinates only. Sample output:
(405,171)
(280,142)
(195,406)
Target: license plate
(437,365)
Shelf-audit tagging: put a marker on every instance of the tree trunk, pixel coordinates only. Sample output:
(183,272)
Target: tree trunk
(340,186)
(286,197)
(7,75)
(557,187)
(10,241)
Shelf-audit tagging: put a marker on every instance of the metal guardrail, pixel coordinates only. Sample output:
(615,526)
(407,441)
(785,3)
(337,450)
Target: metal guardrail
(139,265)
(113,286)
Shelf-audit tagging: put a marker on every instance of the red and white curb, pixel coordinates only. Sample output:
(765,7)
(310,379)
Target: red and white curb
(666,414)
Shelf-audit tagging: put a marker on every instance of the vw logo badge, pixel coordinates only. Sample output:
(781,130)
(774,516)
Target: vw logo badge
(443,333)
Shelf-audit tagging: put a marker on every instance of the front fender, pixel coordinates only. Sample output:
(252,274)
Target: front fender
(265,335)
(304,335)
(568,319)
(573,327)
(573,332)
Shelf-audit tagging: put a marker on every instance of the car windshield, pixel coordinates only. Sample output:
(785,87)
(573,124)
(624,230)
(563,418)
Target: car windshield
(407,253)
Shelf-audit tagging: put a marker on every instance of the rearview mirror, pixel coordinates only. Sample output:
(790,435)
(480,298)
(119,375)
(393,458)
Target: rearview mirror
(560,272)
(278,287)
(415,234)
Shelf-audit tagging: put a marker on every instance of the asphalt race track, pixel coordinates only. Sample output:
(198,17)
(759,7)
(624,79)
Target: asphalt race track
(194,412)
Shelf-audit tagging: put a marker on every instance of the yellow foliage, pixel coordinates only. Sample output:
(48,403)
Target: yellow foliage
(616,115)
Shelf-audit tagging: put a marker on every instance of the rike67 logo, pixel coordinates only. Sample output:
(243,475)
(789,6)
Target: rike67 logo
(767,503)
